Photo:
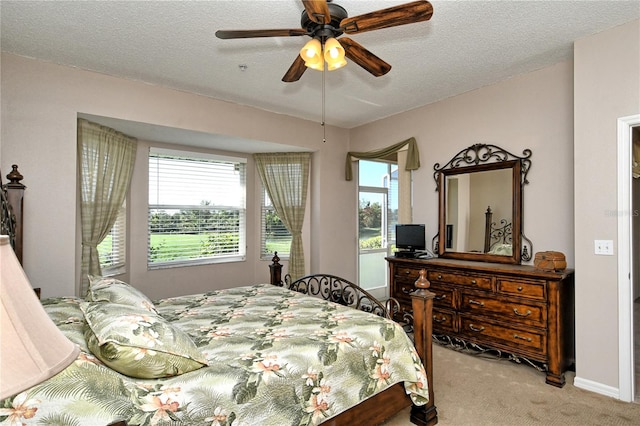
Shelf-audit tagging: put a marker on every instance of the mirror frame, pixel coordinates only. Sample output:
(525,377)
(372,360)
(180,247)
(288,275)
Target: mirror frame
(480,158)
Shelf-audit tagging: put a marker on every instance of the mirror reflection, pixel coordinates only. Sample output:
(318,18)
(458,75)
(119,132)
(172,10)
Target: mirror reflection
(478,212)
(480,205)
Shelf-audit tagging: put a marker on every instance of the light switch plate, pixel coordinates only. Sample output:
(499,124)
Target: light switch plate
(604,247)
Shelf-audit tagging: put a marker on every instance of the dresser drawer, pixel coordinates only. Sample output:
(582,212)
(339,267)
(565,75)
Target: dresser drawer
(403,289)
(476,281)
(523,288)
(502,336)
(443,296)
(407,275)
(504,309)
(444,321)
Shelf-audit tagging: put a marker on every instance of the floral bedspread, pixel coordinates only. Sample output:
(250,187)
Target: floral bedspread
(275,357)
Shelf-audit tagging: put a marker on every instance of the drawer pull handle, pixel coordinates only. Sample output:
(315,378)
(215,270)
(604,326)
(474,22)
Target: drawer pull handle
(439,277)
(444,296)
(407,272)
(439,320)
(474,282)
(478,330)
(528,339)
(520,288)
(475,302)
(526,314)
(406,290)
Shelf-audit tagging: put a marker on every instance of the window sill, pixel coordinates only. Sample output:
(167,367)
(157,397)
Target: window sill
(114,270)
(198,262)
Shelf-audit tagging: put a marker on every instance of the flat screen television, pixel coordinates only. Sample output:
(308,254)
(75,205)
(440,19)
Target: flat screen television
(410,237)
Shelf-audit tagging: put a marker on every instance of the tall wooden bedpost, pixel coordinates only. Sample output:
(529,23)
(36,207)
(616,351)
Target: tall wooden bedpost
(275,270)
(488,218)
(422,303)
(15,194)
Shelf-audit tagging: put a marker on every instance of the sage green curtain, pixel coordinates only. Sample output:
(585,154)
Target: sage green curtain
(106,165)
(285,176)
(413,156)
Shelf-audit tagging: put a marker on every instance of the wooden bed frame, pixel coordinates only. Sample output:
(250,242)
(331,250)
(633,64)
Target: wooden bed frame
(372,411)
(11,205)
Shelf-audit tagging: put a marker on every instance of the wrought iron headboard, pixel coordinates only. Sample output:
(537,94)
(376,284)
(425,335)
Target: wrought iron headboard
(495,234)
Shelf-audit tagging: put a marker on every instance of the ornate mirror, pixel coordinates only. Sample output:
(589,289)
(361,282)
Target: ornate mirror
(480,205)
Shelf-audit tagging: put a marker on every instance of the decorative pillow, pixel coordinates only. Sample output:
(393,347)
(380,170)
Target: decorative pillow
(116,291)
(137,342)
(503,249)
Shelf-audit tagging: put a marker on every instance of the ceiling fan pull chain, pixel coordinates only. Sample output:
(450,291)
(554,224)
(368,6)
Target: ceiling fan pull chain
(324,128)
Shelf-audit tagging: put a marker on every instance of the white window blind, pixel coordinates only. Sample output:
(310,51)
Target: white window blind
(275,236)
(197,208)
(112,248)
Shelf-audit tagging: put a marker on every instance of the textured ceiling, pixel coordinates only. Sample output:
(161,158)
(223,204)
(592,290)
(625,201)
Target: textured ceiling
(466,45)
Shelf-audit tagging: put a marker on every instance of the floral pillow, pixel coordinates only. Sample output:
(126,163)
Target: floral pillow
(116,291)
(138,343)
(504,249)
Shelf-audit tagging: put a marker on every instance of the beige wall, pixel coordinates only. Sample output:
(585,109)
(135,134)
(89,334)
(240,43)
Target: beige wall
(607,87)
(40,104)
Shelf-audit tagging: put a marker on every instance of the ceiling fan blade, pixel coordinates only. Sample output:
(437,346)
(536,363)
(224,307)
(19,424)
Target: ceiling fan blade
(317,10)
(363,57)
(295,70)
(227,34)
(407,13)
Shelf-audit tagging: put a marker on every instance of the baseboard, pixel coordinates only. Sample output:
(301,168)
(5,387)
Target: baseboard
(596,387)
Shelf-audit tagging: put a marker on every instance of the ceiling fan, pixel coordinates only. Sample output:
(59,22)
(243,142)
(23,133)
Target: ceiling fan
(324,22)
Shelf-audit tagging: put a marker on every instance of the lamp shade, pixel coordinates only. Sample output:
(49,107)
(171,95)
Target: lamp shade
(334,65)
(32,349)
(334,54)
(312,54)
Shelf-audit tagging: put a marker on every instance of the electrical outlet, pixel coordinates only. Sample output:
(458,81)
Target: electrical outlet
(604,247)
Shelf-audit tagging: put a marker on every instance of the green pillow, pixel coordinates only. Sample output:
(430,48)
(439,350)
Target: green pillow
(116,291)
(138,343)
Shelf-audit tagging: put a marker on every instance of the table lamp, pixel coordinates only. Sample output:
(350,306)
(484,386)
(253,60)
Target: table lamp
(32,348)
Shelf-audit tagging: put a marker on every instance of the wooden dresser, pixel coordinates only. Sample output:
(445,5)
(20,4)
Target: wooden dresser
(514,309)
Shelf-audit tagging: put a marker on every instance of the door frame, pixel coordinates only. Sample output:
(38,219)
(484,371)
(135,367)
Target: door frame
(626,375)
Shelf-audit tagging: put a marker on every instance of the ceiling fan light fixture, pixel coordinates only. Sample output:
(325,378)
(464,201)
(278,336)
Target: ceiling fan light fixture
(318,66)
(334,54)
(333,50)
(335,64)
(312,53)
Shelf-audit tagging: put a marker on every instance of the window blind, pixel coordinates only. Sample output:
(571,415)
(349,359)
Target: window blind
(197,208)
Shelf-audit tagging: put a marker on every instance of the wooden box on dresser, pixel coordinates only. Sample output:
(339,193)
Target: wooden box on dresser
(515,309)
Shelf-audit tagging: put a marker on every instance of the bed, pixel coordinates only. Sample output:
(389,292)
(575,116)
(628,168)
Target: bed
(275,353)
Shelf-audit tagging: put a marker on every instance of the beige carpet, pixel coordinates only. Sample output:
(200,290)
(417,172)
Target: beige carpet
(472,390)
